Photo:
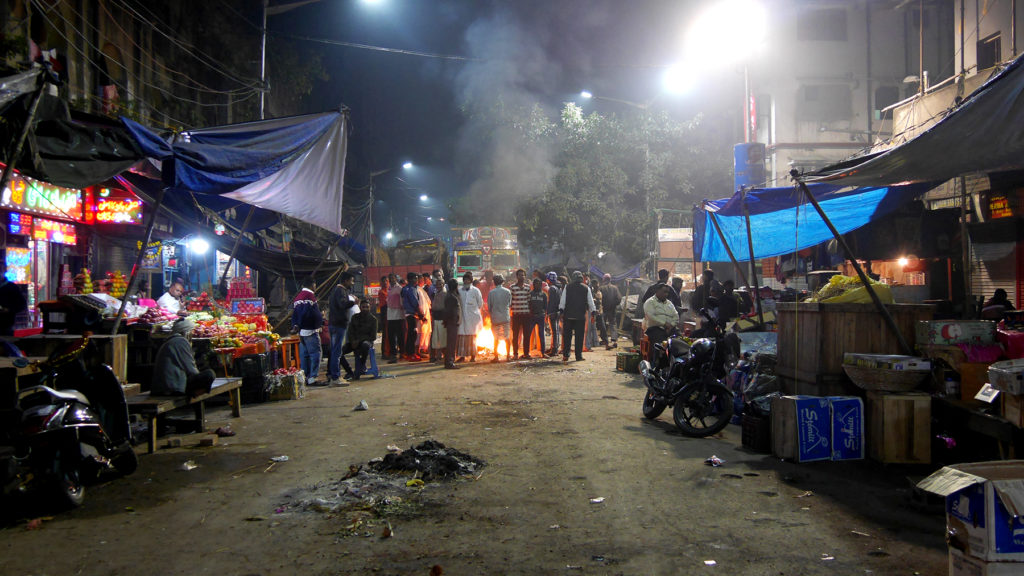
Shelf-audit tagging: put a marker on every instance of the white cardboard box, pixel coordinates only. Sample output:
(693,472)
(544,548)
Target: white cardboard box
(1007,376)
(984,503)
(961,564)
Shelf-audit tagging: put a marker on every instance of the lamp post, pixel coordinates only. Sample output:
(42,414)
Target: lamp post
(374,174)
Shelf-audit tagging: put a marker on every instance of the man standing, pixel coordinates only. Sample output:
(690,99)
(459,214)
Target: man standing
(538,304)
(499,302)
(307,320)
(450,318)
(576,302)
(728,304)
(660,316)
(396,320)
(610,299)
(12,303)
(362,331)
(339,307)
(470,319)
(520,314)
(411,309)
(554,298)
(662,279)
(703,292)
(382,303)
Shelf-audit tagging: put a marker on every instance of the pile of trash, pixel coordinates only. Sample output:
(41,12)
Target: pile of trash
(393,486)
(430,461)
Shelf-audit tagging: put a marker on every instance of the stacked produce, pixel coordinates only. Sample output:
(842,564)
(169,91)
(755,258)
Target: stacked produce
(199,303)
(211,330)
(233,331)
(118,284)
(157,315)
(83,282)
(286,371)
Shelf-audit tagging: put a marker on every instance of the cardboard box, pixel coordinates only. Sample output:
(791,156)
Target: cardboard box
(1013,409)
(984,503)
(899,427)
(289,387)
(801,428)
(955,332)
(1007,376)
(973,376)
(961,564)
(847,427)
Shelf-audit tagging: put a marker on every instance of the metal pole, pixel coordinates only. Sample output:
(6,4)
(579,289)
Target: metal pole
(13,158)
(138,259)
(234,248)
(965,252)
(753,270)
(739,269)
(890,322)
(746,104)
(263,58)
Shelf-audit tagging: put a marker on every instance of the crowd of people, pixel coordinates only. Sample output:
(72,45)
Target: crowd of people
(427,318)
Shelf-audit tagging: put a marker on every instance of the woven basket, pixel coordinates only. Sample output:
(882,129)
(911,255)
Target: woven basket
(885,379)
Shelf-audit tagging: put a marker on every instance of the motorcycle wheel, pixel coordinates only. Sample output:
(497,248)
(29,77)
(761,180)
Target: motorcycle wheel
(702,412)
(70,489)
(652,407)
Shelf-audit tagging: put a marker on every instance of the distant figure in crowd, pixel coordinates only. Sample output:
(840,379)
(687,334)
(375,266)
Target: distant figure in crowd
(423,343)
(701,294)
(728,303)
(307,321)
(450,318)
(174,370)
(362,331)
(554,298)
(382,303)
(538,304)
(520,314)
(499,305)
(610,299)
(413,317)
(396,320)
(171,300)
(660,317)
(470,320)
(662,279)
(339,312)
(997,306)
(438,333)
(485,285)
(594,322)
(12,303)
(576,302)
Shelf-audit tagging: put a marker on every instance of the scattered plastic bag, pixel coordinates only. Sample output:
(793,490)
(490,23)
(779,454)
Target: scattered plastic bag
(597,500)
(361,406)
(281,458)
(189,465)
(714,461)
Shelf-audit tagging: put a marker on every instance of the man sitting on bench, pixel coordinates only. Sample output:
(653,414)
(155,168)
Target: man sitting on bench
(174,371)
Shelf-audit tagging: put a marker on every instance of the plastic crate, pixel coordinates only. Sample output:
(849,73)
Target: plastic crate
(757,433)
(253,371)
(627,362)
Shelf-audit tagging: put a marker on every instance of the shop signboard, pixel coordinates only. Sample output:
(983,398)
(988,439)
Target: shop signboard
(151,259)
(19,224)
(19,265)
(112,206)
(27,195)
(53,231)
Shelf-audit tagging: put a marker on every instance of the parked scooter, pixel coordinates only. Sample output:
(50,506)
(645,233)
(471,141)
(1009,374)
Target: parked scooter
(65,431)
(688,377)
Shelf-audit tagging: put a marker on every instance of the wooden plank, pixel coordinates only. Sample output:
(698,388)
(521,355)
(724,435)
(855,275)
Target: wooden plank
(899,427)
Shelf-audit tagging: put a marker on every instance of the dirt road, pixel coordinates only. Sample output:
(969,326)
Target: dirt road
(555,437)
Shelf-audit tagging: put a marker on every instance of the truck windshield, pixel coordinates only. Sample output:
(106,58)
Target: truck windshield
(504,261)
(469,261)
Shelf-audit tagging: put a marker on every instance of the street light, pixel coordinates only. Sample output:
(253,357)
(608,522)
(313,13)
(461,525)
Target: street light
(424,198)
(374,174)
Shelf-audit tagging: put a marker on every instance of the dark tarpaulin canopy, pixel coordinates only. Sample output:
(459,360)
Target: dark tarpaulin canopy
(64,147)
(983,134)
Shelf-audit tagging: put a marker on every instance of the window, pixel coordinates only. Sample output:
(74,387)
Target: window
(821,25)
(885,96)
(824,102)
(989,52)
(470,261)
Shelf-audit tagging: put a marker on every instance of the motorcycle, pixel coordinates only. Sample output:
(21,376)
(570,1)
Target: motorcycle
(688,378)
(66,430)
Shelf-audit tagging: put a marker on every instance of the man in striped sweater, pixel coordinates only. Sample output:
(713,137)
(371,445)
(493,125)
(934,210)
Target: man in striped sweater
(520,314)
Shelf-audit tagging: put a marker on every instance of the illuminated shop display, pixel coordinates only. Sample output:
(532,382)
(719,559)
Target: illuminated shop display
(19,265)
(19,224)
(53,231)
(28,195)
(112,206)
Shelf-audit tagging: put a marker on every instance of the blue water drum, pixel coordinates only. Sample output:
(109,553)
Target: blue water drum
(748,164)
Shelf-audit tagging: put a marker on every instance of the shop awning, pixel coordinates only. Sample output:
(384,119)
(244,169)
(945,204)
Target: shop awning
(983,134)
(293,165)
(782,221)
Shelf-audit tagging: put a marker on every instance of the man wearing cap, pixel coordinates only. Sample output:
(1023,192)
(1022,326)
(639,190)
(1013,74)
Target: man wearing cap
(610,299)
(174,371)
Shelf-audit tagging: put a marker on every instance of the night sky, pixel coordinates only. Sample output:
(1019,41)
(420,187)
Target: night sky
(406,107)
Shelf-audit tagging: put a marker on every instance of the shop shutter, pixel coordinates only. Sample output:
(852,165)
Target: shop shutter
(994,265)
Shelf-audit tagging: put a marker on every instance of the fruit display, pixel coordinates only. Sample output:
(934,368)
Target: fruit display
(248,306)
(211,331)
(286,371)
(227,342)
(83,282)
(118,284)
(157,315)
(199,303)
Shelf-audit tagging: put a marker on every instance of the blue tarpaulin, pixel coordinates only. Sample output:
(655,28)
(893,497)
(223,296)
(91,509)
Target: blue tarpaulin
(782,221)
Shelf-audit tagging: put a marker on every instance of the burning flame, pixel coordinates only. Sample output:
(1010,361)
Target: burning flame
(485,339)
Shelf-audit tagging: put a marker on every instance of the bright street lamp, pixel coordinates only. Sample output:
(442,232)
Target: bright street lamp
(199,246)
(586,94)
(407,165)
(424,198)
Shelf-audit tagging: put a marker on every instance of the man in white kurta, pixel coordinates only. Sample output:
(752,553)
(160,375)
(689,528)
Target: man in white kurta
(472,320)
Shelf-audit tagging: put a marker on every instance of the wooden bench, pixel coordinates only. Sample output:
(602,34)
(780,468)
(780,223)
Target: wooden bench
(152,407)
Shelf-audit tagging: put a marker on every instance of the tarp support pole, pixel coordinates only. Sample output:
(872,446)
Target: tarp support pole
(965,253)
(739,269)
(753,264)
(9,168)
(856,266)
(138,259)
(234,248)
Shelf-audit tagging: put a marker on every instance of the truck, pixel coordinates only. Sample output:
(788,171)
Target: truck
(485,248)
(421,256)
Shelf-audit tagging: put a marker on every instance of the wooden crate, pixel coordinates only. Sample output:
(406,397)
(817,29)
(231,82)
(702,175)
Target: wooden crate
(113,348)
(1013,408)
(899,427)
(973,376)
(813,338)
